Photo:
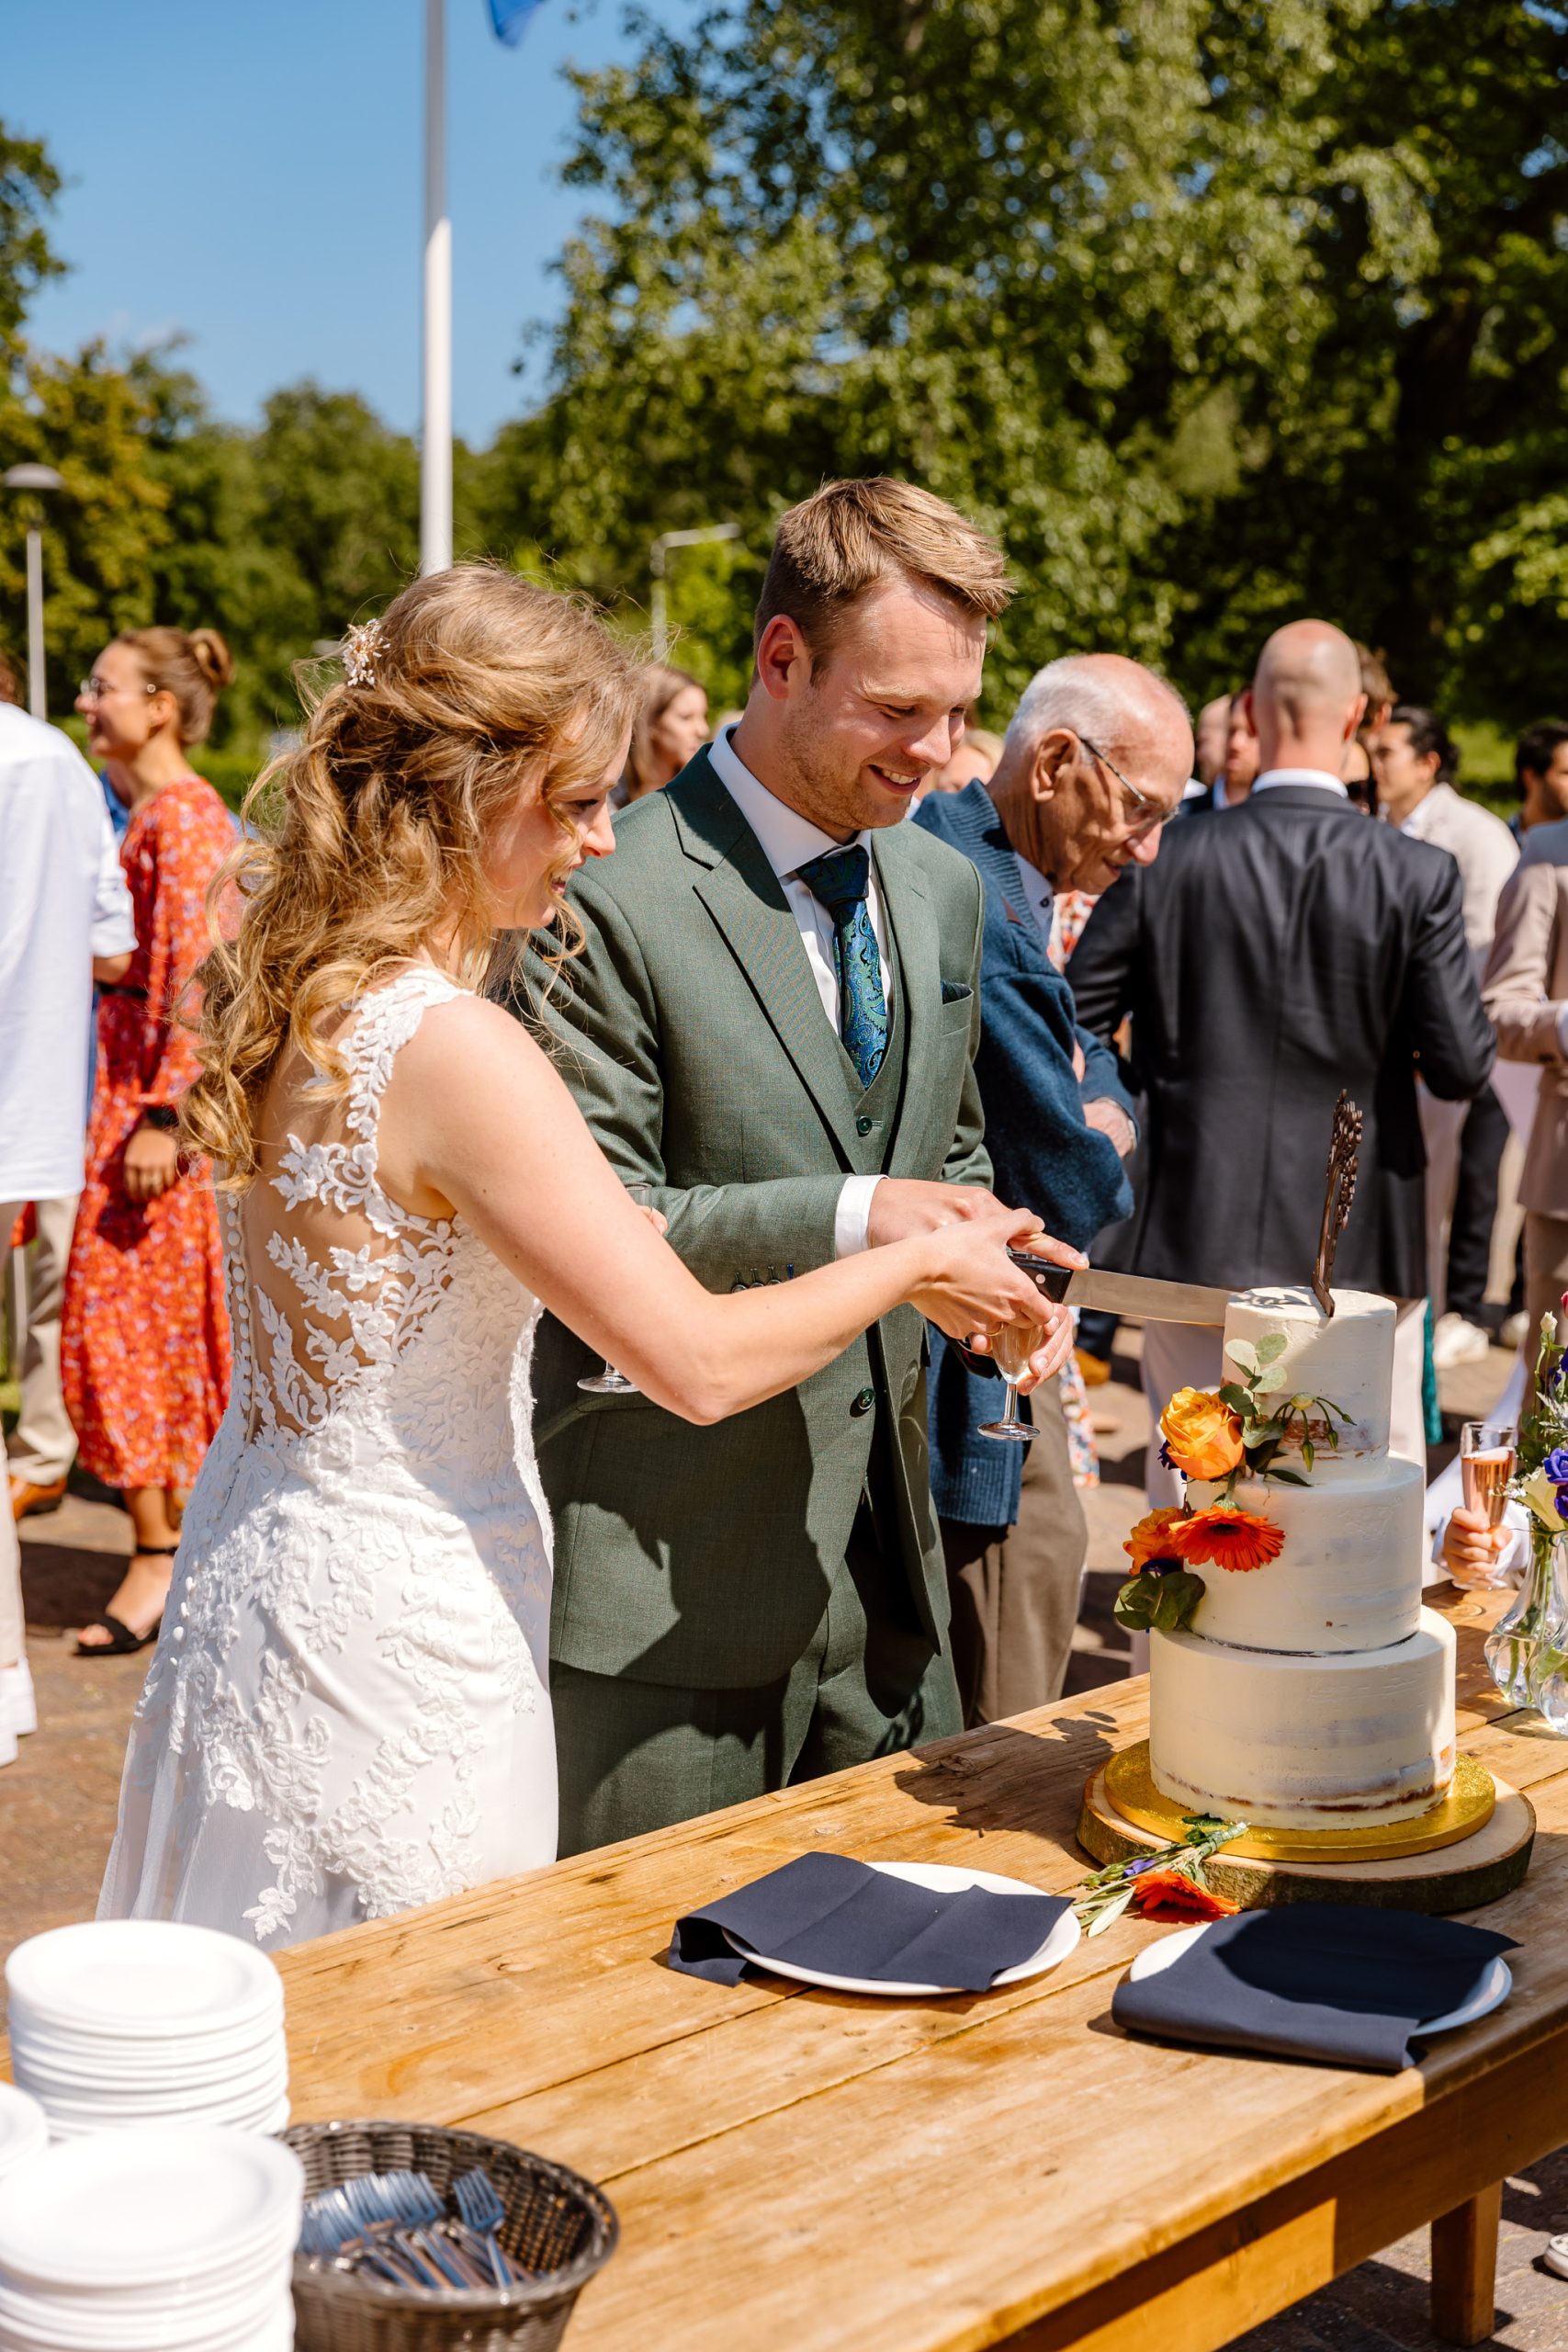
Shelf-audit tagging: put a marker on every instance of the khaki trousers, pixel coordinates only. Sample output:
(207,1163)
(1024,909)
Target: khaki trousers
(1016,1591)
(42,1447)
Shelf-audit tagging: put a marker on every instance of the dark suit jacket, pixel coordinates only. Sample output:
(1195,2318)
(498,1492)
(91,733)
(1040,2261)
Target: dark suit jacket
(1043,1155)
(693,1036)
(1268,961)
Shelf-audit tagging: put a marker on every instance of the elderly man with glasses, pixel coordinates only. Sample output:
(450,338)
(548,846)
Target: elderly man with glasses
(1097,757)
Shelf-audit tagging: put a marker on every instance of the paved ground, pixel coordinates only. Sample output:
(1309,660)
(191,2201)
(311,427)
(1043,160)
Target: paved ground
(57,1811)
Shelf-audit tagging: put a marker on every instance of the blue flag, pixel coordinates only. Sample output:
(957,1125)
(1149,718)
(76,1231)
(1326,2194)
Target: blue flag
(510,18)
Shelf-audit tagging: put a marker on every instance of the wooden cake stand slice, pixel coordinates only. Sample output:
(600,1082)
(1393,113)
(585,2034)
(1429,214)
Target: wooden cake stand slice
(1471,1849)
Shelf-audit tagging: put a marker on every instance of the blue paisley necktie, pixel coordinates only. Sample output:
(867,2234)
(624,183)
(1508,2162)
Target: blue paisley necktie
(839,878)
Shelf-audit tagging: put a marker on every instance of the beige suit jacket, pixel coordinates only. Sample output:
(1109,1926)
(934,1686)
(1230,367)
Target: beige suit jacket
(1526,993)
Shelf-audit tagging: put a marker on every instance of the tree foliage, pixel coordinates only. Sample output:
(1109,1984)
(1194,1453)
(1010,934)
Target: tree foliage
(1214,310)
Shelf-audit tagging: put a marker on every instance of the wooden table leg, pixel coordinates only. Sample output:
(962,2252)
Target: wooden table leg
(1464,2268)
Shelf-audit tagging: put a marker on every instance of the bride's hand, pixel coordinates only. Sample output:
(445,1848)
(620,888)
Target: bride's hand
(972,1288)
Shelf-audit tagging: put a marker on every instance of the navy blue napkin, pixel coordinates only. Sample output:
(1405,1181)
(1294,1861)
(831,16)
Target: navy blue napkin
(825,1911)
(1328,1981)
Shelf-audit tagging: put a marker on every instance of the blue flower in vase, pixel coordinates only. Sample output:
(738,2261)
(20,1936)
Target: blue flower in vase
(1556,1465)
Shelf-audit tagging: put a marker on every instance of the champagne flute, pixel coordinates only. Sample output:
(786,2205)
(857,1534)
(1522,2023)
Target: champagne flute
(1011,1351)
(1486,1464)
(611,1383)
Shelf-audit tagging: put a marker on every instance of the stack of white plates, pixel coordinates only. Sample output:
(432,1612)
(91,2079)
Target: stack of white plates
(23,2129)
(152,2242)
(126,2024)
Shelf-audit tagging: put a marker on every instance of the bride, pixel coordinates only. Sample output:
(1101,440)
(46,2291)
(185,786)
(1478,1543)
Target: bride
(347,1712)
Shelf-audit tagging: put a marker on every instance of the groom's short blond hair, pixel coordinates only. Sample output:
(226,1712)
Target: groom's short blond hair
(839,543)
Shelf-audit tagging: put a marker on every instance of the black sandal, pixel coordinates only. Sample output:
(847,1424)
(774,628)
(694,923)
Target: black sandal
(122,1642)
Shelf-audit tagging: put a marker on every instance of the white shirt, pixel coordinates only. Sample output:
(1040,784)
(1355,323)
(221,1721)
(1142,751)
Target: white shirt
(1321,777)
(62,901)
(790,841)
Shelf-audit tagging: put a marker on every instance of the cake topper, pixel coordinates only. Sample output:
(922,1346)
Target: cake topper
(1343,1144)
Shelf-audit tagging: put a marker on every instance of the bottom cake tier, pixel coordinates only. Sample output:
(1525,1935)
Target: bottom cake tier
(1290,1741)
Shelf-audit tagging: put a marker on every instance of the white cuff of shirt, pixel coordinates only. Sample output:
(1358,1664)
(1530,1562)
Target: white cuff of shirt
(1562,1029)
(852,1215)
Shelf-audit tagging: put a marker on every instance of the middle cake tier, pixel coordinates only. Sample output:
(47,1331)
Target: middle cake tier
(1337,1742)
(1349,1576)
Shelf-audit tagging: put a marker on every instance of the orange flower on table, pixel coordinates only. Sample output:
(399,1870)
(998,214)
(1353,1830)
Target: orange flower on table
(1150,1539)
(1172,1894)
(1238,1539)
(1202,1435)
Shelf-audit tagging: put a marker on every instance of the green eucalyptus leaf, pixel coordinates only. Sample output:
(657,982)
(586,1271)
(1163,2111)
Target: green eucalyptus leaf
(1268,1382)
(1238,1399)
(1243,1353)
(1271,1348)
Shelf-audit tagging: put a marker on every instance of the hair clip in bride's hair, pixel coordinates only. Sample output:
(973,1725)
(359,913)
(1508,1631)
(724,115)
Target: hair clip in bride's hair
(363,647)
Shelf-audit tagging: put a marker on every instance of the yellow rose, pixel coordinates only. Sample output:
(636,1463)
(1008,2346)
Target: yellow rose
(1202,1435)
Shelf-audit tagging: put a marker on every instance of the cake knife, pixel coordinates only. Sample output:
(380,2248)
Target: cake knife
(1134,1295)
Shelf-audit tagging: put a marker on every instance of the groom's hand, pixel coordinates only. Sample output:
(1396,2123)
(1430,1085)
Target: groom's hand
(904,1205)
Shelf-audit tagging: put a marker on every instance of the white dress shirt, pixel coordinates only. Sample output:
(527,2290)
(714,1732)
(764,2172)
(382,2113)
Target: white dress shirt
(62,901)
(1320,776)
(790,841)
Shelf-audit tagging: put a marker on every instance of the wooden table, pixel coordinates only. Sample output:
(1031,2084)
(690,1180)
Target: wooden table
(796,2169)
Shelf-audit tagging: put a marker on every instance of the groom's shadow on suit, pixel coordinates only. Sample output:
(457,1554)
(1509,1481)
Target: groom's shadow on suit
(1027,1776)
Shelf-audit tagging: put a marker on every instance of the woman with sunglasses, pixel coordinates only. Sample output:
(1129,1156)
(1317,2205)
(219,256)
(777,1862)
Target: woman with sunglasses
(145,1332)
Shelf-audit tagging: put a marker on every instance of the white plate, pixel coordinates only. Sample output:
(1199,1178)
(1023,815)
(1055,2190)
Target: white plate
(107,2083)
(941,1878)
(24,2126)
(1490,1994)
(141,1977)
(130,2207)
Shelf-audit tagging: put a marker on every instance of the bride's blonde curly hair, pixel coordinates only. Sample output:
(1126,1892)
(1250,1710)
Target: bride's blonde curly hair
(369,839)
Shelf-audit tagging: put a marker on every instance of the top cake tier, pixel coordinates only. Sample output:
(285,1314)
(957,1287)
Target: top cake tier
(1347,1359)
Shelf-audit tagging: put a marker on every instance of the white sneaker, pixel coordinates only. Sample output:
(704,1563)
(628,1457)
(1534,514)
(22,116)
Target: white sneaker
(18,1708)
(1457,1341)
(1513,1331)
(1554,2254)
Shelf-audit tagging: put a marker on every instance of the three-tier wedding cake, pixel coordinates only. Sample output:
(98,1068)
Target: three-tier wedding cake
(1311,1689)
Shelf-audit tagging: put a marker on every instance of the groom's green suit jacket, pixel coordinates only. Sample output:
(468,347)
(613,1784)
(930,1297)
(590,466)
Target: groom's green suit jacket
(692,1033)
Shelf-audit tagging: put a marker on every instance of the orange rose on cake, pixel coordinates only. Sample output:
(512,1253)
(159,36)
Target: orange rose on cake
(1203,1436)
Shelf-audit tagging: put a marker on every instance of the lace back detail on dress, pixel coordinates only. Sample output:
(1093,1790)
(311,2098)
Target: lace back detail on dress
(341,1280)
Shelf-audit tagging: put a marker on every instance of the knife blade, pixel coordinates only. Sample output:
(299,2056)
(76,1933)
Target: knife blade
(1134,1295)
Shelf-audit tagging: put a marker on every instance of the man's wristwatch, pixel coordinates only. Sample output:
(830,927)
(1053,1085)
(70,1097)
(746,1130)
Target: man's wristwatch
(163,1116)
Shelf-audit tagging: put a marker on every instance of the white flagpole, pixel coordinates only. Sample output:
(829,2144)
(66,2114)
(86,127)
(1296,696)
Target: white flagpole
(435,444)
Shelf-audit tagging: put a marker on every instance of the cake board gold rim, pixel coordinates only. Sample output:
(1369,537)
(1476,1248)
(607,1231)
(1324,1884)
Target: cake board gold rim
(1466,1807)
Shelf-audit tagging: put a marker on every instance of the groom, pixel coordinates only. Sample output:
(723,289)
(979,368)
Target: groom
(773,1025)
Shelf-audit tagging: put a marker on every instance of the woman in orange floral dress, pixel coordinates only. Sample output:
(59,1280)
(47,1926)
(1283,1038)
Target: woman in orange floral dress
(145,1331)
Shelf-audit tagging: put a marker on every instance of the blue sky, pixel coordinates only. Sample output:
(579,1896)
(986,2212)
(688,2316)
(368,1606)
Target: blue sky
(249,175)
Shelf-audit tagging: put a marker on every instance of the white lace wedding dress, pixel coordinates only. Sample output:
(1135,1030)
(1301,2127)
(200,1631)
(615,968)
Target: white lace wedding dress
(347,1712)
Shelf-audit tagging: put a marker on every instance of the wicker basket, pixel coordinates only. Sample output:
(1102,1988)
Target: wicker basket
(556,2223)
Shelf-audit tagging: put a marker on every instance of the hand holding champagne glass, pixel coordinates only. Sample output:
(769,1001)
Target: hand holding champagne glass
(1486,1464)
(1473,1542)
(1011,1351)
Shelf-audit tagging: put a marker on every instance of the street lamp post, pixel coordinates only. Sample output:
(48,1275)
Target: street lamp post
(34,478)
(658,603)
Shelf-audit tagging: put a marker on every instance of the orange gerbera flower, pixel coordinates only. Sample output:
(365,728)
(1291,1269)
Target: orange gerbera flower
(1150,1539)
(1232,1539)
(1172,1894)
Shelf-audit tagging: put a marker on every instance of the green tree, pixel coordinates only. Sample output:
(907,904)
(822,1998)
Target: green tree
(1213,311)
(29,185)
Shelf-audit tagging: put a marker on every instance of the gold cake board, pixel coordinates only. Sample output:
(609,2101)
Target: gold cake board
(1470,1850)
